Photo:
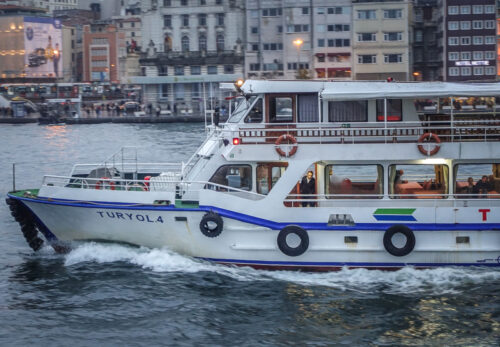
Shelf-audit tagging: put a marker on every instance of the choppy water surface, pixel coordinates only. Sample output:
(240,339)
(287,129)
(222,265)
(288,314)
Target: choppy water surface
(107,294)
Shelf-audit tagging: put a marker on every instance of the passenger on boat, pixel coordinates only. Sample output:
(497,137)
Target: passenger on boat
(483,186)
(398,181)
(469,189)
(308,189)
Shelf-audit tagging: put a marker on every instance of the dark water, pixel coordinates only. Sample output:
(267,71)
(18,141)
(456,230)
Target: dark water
(106,294)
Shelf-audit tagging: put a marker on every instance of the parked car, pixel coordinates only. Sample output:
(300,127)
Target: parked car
(37,57)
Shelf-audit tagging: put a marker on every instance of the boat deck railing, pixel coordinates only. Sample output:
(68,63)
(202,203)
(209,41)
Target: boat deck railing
(371,132)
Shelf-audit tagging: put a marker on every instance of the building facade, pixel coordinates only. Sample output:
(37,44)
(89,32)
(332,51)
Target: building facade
(51,5)
(382,40)
(189,47)
(470,40)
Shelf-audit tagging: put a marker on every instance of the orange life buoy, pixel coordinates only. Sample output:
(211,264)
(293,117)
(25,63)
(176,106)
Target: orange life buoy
(290,139)
(428,138)
(104,184)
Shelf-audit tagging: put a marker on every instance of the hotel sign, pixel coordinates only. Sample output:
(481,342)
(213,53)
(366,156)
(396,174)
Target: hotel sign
(472,63)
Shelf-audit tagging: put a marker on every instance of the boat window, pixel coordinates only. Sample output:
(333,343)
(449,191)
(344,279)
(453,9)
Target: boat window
(255,115)
(348,111)
(281,109)
(268,175)
(354,181)
(234,176)
(242,105)
(308,108)
(477,181)
(394,110)
(418,181)
(305,192)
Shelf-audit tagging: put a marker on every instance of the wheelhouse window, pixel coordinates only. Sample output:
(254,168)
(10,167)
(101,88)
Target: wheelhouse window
(348,111)
(281,108)
(473,181)
(233,176)
(419,181)
(256,114)
(394,110)
(354,181)
(268,175)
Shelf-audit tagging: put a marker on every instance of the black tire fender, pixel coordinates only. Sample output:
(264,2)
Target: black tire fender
(389,245)
(206,229)
(286,248)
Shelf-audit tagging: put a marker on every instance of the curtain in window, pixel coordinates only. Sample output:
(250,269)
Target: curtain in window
(308,108)
(347,111)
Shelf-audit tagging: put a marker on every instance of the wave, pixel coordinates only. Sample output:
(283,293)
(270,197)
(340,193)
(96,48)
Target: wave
(407,280)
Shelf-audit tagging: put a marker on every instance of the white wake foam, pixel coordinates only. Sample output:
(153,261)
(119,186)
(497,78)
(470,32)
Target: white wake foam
(407,280)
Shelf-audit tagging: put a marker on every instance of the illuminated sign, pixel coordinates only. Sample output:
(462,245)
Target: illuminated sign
(472,63)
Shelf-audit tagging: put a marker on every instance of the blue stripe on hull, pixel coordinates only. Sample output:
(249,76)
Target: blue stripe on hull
(264,222)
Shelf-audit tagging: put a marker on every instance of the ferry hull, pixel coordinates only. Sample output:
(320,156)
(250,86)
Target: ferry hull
(246,244)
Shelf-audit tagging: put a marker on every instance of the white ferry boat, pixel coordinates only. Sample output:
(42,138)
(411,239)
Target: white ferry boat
(309,175)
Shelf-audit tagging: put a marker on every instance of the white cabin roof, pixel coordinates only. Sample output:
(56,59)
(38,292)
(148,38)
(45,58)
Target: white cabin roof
(346,90)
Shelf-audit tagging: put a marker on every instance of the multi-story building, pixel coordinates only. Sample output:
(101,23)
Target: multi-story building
(51,5)
(427,40)
(103,46)
(470,40)
(190,46)
(381,35)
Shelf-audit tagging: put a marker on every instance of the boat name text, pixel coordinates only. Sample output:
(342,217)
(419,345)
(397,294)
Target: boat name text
(131,216)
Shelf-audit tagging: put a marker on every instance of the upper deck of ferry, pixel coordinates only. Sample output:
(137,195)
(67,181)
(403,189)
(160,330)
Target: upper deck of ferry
(367,112)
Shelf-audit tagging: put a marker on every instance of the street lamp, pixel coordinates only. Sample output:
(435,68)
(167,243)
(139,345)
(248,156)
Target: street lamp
(298,43)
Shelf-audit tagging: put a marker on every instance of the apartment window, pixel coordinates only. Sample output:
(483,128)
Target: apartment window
(478,71)
(453,41)
(393,14)
(477,55)
(453,71)
(203,2)
(367,14)
(202,20)
(489,55)
(339,43)
(320,10)
(489,70)
(184,2)
(167,3)
(465,55)
(271,12)
(195,70)
(220,42)
(393,58)
(273,46)
(465,9)
(179,70)
(419,35)
(367,59)
(453,25)
(489,40)
(218,2)
(465,40)
(478,40)
(279,28)
(465,25)
(212,69)
(393,36)
(321,58)
(465,71)
(489,8)
(220,19)
(489,24)
(364,37)
(202,42)
(185,43)
(254,30)
(255,47)
(185,20)
(477,9)
(305,10)
(228,69)
(254,67)
(321,42)
(452,10)
(453,56)
(477,24)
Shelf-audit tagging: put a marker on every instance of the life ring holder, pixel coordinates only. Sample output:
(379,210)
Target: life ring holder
(206,228)
(429,138)
(393,249)
(104,181)
(286,248)
(289,138)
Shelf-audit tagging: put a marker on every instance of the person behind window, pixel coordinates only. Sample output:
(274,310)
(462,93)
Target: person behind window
(308,187)
(469,189)
(483,186)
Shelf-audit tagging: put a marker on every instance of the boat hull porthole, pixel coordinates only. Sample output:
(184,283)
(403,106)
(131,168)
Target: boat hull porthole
(293,240)
(211,224)
(393,240)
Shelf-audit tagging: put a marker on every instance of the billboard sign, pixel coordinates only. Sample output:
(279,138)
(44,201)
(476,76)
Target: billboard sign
(43,47)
